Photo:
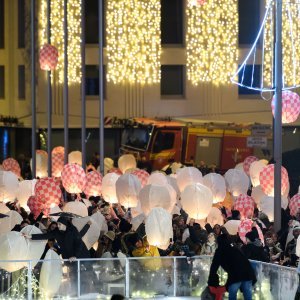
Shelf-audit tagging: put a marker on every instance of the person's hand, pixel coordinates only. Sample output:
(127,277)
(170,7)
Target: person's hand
(72,259)
(27,236)
(89,223)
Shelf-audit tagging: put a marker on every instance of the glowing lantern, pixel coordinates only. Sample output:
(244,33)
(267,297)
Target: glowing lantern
(73,178)
(75,157)
(47,194)
(93,184)
(187,176)
(34,249)
(216,183)
(48,57)
(247,163)
(232,226)
(57,164)
(237,182)
(158,227)
(9,185)
(108,164)
(157,178)
(197,200)
(11,245)
(294,205)
(240,166)
(215,217)
(290,106)
(128,187)
(58,149)
(254,172)
(3,208)
(245,205)
(109,192)
(34,207)
(257,194)
(126,161)
(41,163)
(11,164)
(76,207)
(26,189)
(266,179)
(267,206)
(13,219)
(173,183)
(142,175)
(153,195)
(245,227)
(51,274)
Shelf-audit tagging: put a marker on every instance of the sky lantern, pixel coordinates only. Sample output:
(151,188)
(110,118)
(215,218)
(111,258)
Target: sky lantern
(73,178)
(48,57)
(188,175)
(237,182)
(126,162)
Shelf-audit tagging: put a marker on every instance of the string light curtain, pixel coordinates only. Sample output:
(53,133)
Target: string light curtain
(57,36)
(133,41)
(212,41)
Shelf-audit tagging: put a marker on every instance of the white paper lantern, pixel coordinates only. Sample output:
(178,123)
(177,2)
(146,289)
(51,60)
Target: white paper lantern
(35,248)
(11,245)
(187,176)
(92,235)
(109,191)
(108,164)
(197,200)
(53,210)
(158,227)
(126,161)
(172,181)
(41,164)
(75,157)
(9,185)
(157,178)
(153,195)
(240,166)
(216,183)
(26,189)
(13,219)
(215,217)
(232,226)
(255,168)
(267,206)
(76,207)
(257,194)
(237,182)
(137,221)
(51,274)
(128,187)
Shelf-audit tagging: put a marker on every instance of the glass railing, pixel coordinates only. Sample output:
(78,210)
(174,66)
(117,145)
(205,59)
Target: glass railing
(138,278)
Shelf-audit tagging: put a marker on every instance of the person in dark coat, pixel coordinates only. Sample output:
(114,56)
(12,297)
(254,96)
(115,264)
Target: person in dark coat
(240,273)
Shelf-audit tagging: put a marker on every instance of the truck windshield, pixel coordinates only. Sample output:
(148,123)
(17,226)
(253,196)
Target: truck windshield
(136,137)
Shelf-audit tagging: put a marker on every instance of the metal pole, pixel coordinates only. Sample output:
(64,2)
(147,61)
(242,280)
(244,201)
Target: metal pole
(33,93)
(127,278)
(277,117)
(66,90)
(101,96)
(83,97)
(49,96)
(78,279)
(29,281)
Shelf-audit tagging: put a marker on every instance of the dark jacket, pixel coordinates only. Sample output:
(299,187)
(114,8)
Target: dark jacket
(256,251)
(69,242)
(233,261)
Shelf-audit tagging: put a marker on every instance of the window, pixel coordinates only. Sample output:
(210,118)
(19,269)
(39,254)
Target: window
(172,21)
(249,21)
(21,23)
(1,24)
(163,141)
(92,80)
(2,82)
(21,81)
(172,80)
(91,22)
(250,71)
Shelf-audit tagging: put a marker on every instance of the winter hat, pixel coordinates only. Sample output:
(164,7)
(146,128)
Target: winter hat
(124,226)
(63,220)
(110,235)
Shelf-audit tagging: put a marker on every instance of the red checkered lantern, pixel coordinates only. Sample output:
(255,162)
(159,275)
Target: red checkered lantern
(48,57)
(290,106)
(142,176)
(294,205)
(93,184)
(12,165)
(58,149)
(266,179)
(245,205)
(247,163)
(73,178)
(245,227)
(57,163)
(47,195)
(115,170)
